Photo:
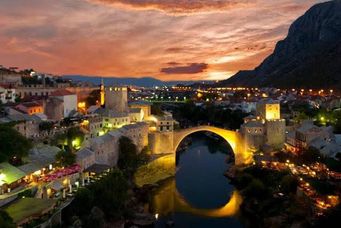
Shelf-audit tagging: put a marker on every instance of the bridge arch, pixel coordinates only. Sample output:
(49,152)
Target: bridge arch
(232,137)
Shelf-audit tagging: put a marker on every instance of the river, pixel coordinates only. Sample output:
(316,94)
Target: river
(199,195)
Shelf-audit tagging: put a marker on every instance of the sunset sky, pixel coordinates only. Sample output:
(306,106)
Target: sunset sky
(166,39)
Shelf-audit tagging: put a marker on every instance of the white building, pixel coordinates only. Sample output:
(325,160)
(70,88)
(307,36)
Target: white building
(69,99)
(7,94)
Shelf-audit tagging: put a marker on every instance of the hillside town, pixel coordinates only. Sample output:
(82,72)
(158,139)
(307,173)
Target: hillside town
(74,131)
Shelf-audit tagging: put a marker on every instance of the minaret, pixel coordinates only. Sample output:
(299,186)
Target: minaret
(102,92)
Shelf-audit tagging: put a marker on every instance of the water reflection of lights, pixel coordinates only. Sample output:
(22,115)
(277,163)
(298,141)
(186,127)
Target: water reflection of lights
(168,200)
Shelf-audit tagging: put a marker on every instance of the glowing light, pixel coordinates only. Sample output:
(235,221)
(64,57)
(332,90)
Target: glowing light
(49,191)
(81,105)
(85,122)
(37,173)
(76,143)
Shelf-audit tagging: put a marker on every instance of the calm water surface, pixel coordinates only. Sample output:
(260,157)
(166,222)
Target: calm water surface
(199,195)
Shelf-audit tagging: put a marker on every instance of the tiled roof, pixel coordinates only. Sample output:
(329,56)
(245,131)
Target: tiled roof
(84,153)
(61,92)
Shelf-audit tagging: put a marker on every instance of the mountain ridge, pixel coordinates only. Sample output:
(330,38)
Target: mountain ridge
(310,55)
(142,82)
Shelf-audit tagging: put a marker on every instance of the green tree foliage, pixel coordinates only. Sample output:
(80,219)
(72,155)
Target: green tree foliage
(109,195)
(127,155)
(65,140)
(46,126)
(333,164)
(93,98)
(337,121)
(255,188)
(156,109)
(311,155)
(289,184)
(96,218)
(65,158)
(12,144)
(84,201)
(323,187)
(5,220)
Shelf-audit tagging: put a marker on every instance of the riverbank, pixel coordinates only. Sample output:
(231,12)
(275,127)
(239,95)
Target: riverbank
(155,171)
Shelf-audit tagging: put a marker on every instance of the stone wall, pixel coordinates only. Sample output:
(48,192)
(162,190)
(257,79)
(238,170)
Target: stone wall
(161,142)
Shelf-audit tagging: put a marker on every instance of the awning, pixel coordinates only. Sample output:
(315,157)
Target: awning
(97,168)
(56,185)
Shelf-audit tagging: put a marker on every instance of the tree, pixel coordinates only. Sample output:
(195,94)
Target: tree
(75,137)
(311,155)
(46,126)
(6,220)
(12,144)
(96,218)
(127,155)
(255,188)
(156,109)
(111,193)
(65,158)
(289,184)
(83,202)
(72,139)
(93,98)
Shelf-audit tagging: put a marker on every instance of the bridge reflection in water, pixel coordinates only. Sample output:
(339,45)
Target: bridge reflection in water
(168,200)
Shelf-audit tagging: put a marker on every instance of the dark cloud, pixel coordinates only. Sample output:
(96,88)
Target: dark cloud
(174,49)
(173,63)
(179,6)
(192,68)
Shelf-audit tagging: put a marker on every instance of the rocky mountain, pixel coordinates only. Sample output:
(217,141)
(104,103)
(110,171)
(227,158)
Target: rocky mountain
(309,57)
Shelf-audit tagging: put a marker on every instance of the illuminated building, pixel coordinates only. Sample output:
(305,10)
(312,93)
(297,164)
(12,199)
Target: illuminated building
(145,106)
(268,109)
(116,98)
(30,108)
(102,93)
(267,128)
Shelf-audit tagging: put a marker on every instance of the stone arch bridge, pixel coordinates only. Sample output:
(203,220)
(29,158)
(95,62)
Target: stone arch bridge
(232,137)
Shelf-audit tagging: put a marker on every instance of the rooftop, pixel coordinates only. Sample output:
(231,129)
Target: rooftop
(61,92)
(10,173)
(110,113)
(84,153)
(30,104)
(43,155)
(253,123)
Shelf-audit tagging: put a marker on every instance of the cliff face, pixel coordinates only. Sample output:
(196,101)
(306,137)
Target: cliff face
(310,56)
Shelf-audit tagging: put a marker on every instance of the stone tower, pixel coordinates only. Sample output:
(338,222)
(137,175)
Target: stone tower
(102,93)
(116,98)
